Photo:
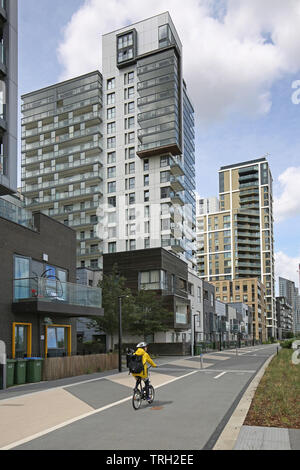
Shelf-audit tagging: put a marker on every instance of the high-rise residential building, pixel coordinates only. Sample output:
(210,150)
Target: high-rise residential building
(62,158)
(236,242)
(288,290)
(8,96)
(148,148)
(285,317)
(207,205)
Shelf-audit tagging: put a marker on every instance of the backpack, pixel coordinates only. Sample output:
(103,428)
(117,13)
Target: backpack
(135,363)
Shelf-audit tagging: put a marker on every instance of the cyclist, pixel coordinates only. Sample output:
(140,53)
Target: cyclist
(142,351)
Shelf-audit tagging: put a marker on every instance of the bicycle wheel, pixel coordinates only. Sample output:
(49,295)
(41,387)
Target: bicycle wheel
(136,399)
(151,394)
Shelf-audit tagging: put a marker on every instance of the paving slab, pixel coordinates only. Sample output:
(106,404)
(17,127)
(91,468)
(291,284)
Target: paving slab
(263,438)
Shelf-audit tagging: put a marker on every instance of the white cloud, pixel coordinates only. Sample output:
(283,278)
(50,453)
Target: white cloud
(287,267)
(233,50)
(288,203)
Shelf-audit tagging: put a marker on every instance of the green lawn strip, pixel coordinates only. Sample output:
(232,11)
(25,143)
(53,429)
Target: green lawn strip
(276,402)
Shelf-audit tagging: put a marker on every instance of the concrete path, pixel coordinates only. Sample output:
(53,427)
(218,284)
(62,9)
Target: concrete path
(191,408)
(262,438)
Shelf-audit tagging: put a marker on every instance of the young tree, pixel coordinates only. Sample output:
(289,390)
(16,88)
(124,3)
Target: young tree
(149,315)
(113,287)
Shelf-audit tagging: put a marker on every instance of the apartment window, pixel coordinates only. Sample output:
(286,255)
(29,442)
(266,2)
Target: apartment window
(111,113)
(147,227)
(129,138)
(131,198)
(129,78)
(111,98)
(129,153)
(164,161)
(93,219)
(111,158)
(111,187)
(146,165)
(111,172)
(112,247)
(147,212)
(165,224)
(112,201)
(132,245)
(131,214)
(94,264)
(111,128)
(125,47)
(130,183)
(129,108)
(164,176)
(199,294)
(129,93)
(146,180)
(130,168)
(111,142)
(82,264)
(146,196)
(82,235)
(147,243)
(165,192)
(129,123)
(111,83)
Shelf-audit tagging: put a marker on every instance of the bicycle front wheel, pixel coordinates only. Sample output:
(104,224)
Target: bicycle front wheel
(136,399)
(151,394)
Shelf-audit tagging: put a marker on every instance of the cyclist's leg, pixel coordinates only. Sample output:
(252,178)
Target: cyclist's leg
(147,383)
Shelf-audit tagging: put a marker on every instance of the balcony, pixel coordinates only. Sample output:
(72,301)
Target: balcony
(176,166)
(177,183)
(177,199)
(16,214)
(51,296)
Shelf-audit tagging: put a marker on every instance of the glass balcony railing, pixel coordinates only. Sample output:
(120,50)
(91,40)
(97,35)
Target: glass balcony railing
(16,214)
(55,291)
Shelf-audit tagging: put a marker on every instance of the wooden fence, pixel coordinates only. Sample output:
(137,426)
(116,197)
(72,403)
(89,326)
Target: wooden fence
(62,367)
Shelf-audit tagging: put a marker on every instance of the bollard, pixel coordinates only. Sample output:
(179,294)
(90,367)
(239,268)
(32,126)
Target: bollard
(201,360)
(2,366)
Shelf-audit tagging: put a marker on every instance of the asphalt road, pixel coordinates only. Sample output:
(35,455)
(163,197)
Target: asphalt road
(190,410)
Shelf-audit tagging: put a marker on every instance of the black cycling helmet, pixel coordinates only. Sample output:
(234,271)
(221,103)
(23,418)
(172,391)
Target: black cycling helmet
(142,345)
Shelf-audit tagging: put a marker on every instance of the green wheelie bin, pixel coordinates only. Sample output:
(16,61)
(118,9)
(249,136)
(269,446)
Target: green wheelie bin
(20,371)
(34,369)
(10,372)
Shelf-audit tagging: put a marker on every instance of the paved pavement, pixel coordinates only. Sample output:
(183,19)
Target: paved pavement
(190,411)
(262,438)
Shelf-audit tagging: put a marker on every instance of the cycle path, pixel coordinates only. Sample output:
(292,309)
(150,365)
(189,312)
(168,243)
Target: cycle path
(44,419)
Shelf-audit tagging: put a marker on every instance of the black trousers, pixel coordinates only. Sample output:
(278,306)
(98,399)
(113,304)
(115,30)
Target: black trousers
(147,383)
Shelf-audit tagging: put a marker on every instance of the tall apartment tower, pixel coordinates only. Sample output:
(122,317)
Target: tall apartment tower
(8,96)
(237,241)
(149,157)
(62,158)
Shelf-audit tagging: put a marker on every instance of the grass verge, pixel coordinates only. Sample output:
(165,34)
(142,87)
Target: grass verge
(276,401)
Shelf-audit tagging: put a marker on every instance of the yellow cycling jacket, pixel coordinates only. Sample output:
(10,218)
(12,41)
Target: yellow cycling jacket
(146,358)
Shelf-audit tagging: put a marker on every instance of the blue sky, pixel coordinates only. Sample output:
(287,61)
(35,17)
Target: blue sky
(241,84)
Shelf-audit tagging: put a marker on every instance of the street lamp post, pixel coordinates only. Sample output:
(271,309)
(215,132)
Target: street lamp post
(120,334)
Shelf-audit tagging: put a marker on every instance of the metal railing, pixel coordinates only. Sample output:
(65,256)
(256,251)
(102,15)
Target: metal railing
(54,290)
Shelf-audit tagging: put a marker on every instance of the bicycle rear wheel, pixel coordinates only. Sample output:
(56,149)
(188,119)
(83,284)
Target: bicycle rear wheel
(151,394)
(136,399)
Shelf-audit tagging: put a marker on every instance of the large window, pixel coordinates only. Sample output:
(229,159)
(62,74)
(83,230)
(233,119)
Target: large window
(22,275)
(58,341)
(153,280)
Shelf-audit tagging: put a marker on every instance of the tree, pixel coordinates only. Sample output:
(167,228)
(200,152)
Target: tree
(148,315)
(113,287)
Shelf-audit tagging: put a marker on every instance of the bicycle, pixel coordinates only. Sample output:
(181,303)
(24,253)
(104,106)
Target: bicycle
(139,393)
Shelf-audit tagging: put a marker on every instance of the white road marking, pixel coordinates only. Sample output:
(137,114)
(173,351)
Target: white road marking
(86,415)
(220,375)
